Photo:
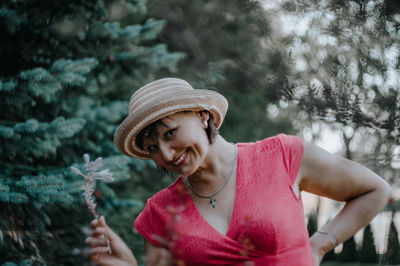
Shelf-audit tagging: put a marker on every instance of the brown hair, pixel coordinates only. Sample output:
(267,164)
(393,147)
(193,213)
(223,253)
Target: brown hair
(151,131)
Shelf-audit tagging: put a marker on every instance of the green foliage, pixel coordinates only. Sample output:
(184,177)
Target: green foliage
(23,263)
(71,69)
(367,253)
(69,74)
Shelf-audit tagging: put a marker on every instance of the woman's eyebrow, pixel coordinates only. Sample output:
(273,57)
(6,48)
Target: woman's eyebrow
(164,123)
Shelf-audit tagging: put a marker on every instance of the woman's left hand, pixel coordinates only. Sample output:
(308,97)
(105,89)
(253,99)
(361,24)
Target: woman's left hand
(317,257)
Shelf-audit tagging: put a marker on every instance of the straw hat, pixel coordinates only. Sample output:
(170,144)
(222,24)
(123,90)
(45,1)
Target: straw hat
(161,98)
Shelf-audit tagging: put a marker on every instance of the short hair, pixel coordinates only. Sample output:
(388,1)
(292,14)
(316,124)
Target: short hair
(151,131)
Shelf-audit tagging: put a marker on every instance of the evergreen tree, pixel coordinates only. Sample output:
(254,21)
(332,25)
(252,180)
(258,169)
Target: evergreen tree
(367,252)
(70,70)
(392,255)
(349,252)
(231,47)
(330,256)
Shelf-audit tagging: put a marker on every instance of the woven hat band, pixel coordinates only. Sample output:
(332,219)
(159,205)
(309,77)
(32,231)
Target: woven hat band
(157,89)
(155,95)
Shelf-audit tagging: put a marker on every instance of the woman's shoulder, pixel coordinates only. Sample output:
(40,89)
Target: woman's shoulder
(271,144)
(169,195)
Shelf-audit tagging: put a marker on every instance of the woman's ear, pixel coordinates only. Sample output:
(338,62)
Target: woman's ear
(204,116)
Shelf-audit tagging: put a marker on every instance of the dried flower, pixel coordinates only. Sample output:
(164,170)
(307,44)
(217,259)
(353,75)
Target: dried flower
(93,173)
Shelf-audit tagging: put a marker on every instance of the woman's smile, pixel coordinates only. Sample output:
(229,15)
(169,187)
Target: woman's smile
(181,159)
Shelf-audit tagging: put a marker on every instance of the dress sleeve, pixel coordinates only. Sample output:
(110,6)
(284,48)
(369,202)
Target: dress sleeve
(292,152)
(144,224)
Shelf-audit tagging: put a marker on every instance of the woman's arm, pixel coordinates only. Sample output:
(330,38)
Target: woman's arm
(328,175)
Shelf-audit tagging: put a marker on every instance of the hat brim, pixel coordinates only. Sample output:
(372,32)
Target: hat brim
(194,100)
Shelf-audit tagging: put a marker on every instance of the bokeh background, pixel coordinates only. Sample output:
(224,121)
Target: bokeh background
(327,71)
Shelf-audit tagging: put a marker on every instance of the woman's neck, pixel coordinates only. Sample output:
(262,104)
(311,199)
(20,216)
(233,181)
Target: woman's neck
(216,166)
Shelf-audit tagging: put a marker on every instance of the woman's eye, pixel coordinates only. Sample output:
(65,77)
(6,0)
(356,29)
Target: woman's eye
(152,148)
(169,133)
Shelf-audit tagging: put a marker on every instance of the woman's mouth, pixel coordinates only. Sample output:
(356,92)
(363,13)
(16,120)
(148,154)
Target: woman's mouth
(180,160)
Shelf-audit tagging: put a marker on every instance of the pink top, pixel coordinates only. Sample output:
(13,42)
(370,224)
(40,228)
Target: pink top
(267,225)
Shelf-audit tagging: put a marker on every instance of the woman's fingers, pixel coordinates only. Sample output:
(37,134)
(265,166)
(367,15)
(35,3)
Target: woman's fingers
(161,257)
(121,254)
(94,223)
(98,250)
(99,231)
(99,228)
(99,255)
(102,222)
(165,257)
(95,241)
(103,228)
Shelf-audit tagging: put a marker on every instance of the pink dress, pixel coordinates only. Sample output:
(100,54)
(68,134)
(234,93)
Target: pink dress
(267,225)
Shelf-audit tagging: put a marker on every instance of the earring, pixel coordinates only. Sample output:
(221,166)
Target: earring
(205,124)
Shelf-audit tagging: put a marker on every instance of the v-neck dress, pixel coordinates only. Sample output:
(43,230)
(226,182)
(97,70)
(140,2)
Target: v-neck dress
(267,225)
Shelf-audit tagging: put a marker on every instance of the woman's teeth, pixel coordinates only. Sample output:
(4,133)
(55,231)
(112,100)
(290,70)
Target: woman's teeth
(180,159)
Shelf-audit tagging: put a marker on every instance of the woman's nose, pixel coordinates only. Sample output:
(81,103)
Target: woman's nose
(166,152)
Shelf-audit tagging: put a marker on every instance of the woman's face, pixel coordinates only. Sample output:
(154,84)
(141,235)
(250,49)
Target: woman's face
(182,144)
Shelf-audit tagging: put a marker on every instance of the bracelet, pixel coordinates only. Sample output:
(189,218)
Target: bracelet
(332,237)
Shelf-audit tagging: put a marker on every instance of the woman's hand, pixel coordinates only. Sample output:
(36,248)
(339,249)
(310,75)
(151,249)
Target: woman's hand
(317,248)
(121,254)
(156,256)
(317,259)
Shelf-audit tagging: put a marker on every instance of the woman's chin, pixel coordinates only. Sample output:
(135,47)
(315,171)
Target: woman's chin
(185,170)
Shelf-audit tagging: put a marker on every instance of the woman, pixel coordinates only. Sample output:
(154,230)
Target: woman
(232,204)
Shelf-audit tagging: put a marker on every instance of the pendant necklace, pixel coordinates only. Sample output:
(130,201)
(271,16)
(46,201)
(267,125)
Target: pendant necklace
(212,196)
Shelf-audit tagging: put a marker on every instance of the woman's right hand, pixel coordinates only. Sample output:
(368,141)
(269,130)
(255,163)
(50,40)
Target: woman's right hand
(121,254)
(157,256)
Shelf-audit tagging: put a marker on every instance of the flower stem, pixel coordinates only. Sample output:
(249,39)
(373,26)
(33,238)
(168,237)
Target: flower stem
(106,238)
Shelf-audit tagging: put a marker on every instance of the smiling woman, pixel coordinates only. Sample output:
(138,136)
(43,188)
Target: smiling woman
(232,203)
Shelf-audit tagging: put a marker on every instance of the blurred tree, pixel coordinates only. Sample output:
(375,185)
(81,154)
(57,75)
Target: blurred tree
(349,252)
(330,256)
(346,74)
(231,48)
(312,225)
(68,73)
(367,252)
(392,255)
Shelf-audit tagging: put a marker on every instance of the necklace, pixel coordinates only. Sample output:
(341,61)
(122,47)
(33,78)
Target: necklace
(212,196)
